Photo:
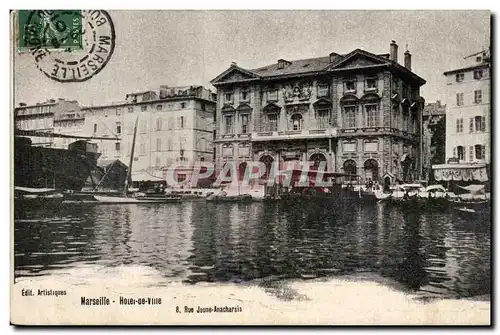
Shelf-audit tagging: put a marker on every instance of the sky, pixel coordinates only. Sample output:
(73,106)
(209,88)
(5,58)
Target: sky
(178,48)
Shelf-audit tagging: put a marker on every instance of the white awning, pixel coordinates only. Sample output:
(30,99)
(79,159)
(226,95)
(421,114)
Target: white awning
(465,172)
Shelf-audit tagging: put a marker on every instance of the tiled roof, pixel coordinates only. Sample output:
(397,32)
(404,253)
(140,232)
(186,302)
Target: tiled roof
(296,66)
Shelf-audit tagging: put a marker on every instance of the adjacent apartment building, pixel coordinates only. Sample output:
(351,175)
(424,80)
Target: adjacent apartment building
(468,113)
(433,113)
(359,112)
(174,126)
(52,116)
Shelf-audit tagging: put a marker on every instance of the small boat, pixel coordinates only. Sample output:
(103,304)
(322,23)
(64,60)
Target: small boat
(474,198)
(138,199)
(27,197)
(229,198)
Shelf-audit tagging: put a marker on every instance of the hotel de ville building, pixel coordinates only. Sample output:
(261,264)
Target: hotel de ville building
(359,112)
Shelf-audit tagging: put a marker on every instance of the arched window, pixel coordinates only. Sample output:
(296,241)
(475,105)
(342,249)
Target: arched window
(268,161)
(241,170)
(317,159)
(350,168)
(371,170)
(297,121)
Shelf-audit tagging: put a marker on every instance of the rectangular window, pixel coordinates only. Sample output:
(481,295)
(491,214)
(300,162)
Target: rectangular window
(460,125)
(142,149)
(371,116)
(144,108)
(478,74)
(459,77)
(323,118)
(118,128)
(272,95)
(480,123)
(118,113)
(117,146)
(130,109)
(480,151)
(203,107)
(183,105)
(158,161)
(159,107)
(272,120)
(182,122)
(478,97)
(95,127)
(227,151)
(158,144)
(371,83)
(349,146)
(323,90)
(461,153)
(228,97)
(228,124)
(350,117)
(244,123)
(244,95)
(460,99)
(371,146)
(350,86)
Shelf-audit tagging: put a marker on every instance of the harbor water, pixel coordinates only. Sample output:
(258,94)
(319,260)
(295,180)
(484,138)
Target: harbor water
(438,253)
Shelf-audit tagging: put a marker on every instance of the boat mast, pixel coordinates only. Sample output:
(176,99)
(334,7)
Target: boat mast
(128,181)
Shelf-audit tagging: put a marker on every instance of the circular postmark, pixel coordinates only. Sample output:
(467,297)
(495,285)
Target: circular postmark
(70,45)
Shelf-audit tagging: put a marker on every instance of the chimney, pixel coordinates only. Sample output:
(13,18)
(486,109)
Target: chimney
(408,60)
(333,57)
(234,64)
(394,51)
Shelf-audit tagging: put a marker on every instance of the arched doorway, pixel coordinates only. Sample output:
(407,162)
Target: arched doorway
(387,184)
(241,170)
(371,170)
(350,168)
(317,159)
(268,162)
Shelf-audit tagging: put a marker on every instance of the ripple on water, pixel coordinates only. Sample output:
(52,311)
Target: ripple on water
(199,242)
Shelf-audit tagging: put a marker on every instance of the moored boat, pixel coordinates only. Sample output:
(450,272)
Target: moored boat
(30,198)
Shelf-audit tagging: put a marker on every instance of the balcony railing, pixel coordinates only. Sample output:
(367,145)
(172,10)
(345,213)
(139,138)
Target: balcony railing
(283,134)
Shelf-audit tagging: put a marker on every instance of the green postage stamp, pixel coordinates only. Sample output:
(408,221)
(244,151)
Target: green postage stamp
(52,29)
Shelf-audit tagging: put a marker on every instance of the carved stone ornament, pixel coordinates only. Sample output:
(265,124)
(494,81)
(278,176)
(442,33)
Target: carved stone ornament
(298,91)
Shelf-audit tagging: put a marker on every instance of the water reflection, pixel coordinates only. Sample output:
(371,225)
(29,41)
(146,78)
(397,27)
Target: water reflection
(436,253)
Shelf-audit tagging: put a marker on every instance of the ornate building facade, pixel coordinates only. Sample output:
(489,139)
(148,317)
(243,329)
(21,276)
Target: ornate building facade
(359,112)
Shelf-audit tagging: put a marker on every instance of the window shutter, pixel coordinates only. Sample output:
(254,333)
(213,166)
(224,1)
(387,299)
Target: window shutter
(471,125)
(455,152)
(483,152)
(471,153)
(483,123)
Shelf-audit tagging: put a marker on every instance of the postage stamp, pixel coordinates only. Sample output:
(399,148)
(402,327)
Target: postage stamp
(251,168)
(59,29)
(67,45)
